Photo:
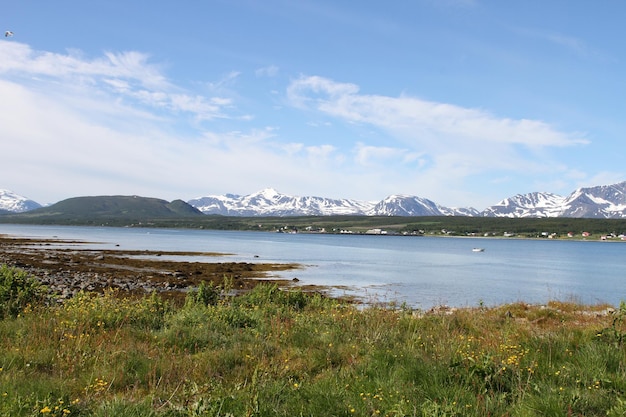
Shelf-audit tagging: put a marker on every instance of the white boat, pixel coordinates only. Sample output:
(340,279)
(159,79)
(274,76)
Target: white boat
(478,250)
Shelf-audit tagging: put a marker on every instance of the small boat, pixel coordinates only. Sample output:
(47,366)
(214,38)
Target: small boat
(478,250)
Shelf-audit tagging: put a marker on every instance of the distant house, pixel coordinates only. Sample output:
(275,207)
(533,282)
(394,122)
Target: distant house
(586,234)
(570,234)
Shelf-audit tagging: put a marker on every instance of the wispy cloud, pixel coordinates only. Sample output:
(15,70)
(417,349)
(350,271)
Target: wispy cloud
(20,58)
(269,71)
(569,42)
(572,44)
(127,75)
(225,82)
(368,155)
(424,123)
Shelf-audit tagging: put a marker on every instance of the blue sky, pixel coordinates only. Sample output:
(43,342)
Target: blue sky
(464,102)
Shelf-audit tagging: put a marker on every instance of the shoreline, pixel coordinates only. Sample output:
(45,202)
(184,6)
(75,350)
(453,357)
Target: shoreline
(68,265)
(67,270)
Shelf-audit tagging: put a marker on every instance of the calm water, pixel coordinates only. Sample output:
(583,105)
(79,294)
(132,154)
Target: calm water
(421,271)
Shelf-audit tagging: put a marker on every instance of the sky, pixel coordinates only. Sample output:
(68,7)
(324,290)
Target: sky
(463,102)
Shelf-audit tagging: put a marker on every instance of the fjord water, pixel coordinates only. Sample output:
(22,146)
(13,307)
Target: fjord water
(420,271)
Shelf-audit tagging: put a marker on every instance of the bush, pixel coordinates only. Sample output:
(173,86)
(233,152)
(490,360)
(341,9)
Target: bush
(267,295)
(17,291)
(206,295)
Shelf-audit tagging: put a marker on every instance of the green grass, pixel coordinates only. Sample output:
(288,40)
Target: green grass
(276,353)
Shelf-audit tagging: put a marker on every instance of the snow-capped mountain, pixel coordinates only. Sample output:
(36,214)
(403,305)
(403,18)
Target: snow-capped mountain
(405,205)
(269,202)
(604,201)
(527,205)
(15,203)
(408,205)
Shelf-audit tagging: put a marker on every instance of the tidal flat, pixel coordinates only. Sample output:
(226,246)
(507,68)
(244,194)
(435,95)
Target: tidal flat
(65,267)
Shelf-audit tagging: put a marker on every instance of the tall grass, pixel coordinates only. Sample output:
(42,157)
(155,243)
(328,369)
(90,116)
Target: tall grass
(286,353)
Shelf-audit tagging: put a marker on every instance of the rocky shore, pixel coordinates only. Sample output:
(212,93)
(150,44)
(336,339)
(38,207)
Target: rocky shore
(66,268)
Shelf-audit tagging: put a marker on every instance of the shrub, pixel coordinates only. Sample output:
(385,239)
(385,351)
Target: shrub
(206,295)
(267,295)
(17,291)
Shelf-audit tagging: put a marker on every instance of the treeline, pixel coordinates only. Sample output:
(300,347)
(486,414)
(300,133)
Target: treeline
(449,225)
(466,225)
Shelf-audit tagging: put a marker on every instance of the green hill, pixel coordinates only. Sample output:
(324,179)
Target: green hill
(99,209)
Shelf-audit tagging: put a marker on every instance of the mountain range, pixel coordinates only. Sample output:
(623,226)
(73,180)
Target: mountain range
(607,201)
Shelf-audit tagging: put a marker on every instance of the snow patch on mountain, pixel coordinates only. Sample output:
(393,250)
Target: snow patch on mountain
(406,205)
(604,201)
(459,211)
(16,203)
(269,202)
(537,204)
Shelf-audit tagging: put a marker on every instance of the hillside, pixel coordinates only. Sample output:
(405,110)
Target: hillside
(90,210)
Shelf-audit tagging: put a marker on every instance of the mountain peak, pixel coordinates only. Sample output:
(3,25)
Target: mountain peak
(269,193)
(16,203)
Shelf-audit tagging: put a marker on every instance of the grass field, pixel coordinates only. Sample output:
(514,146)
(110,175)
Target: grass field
(276,353)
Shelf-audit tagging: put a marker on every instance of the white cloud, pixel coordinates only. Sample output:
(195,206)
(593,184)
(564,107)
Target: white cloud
(422,122)
(300,92)
(127,75)
(368,155)
(18,57)
(320,154)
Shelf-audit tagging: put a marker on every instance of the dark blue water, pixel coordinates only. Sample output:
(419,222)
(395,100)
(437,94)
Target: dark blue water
(420,271)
